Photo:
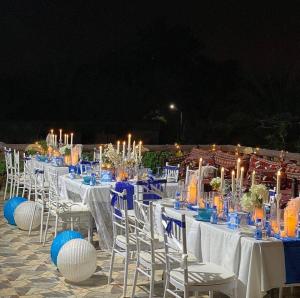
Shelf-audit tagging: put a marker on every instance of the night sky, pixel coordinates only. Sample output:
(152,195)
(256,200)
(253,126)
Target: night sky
(103,69)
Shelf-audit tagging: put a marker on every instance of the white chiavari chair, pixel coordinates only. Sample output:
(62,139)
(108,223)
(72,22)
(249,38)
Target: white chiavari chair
(41,193)
(63,209)
(150,251)
(19,177)
(171,173)
(124,238)
(29,177)
(9,172)
(191,276)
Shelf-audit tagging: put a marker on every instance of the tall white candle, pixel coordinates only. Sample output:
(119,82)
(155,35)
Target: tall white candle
(100,154)
(200,176)
(253,178)
(238,166)
(55,140)
(71,141)
(222,179)
(52,138)
(118,147)
(278,183)
(94,157)
(67,139)
(60,135)
(241,177)
(233,182)
(140,150)
(123,153)
(133,149)
(129,144)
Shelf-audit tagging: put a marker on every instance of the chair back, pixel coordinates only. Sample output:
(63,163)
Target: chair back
(144,227)
(8,161)
(171,173)
(29,177)
(150,190)
(121,225)
(53,184)
(175,242)
(16,163)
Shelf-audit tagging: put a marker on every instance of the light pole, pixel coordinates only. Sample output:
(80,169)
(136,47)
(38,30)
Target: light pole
(173,107)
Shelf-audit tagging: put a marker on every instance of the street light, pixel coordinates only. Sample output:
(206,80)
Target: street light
(173,107)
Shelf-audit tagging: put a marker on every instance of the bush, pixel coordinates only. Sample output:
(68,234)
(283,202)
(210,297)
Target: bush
(155,159)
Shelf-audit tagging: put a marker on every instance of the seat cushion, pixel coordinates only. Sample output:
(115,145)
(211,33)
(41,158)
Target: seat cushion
(203,274)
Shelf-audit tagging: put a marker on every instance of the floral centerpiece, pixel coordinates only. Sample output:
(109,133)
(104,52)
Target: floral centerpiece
(66,151)
(122,166)
(253,200)
(215,183)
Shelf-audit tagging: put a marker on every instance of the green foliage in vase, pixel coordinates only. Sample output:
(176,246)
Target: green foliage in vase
(87,155)
(43,144)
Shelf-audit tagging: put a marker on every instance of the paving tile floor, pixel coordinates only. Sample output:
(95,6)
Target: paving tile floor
(27,271)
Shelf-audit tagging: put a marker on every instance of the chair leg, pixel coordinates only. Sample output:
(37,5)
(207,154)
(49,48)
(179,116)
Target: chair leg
(111,264)
(56,224)
(135,280)
(280,292)
(72,225)
(42,222)
(5,191)
(186,292)
(125,274)
(166,284)
(11,187)
(23,192)
(211,294)
(46,228)
(18,187)
(152,280)
(31,222)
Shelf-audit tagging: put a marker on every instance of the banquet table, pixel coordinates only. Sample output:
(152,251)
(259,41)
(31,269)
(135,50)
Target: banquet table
(258,265)
(97,198)
(46,166)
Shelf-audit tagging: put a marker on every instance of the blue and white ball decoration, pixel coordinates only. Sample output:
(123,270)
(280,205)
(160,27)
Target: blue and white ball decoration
(60,240)
(77,260)
(25,214)
(10,207)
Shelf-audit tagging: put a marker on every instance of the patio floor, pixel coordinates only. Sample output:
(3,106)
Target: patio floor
(26,271)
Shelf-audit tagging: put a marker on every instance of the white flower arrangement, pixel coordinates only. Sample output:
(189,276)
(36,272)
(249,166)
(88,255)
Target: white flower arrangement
(112,156)
(257,195)
(215,183)
(65,149)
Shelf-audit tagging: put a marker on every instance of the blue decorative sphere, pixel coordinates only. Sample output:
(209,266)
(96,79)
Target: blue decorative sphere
(59,241)
(10,207)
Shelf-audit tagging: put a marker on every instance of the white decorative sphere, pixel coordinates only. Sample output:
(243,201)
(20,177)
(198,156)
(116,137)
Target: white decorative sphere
(24,213)
(77,260)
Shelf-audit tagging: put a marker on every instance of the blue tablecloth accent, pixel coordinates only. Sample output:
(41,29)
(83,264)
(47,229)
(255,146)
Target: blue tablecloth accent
(292,260)
(120,186)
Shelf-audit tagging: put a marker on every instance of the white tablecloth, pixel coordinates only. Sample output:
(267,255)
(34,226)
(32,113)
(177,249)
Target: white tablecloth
(97,199)
(259,265)
(46,166)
